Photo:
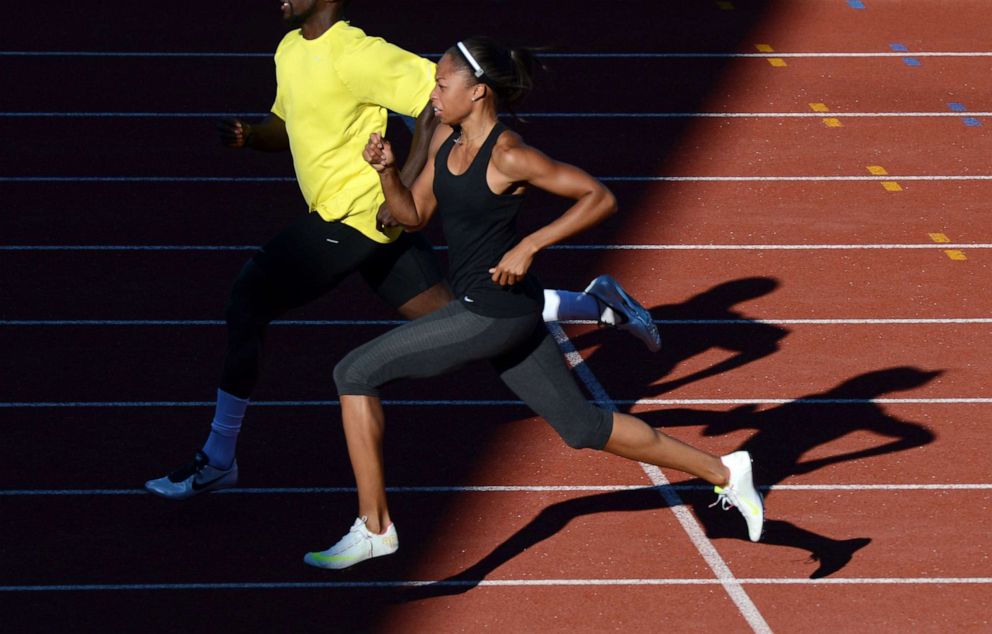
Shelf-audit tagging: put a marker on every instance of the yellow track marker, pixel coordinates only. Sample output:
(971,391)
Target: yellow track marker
(890,186)
(830,122)
(778,62)
(954,254)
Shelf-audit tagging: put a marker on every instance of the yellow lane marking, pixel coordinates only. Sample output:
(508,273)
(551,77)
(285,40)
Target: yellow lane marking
(939,237)
(954,254)
(778,62)
(877,170)
(891,186)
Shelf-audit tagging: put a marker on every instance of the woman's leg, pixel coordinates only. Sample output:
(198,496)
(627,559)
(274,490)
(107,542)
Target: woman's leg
(634,439)
(364,427)
(430,346)
(537,373)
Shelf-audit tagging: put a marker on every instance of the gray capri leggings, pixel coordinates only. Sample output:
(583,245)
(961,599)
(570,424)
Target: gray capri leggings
(519,348)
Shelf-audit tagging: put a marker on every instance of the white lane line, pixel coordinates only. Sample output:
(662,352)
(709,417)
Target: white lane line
(674,501)
(505,489)
(504,583)
(496,583)
(396,322)
(557,247)
(509,402)
(529,115)
(548,55)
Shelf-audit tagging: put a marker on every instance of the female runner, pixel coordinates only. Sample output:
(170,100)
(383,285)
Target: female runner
(475,177)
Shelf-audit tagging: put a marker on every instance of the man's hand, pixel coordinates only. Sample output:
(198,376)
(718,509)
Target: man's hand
(513,266)
(234,133)
(379,153)
(384,218)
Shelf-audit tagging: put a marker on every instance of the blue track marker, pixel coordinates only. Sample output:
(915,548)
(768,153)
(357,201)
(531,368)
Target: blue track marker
(957,106)
(902,48)
(856,4)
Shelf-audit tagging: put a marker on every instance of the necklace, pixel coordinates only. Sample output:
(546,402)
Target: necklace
(462,139)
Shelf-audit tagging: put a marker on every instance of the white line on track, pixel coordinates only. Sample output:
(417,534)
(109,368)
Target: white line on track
(505,489)
(548,55)
(689,524)
(509,402)
(397,322)
(557,247)
(471,583)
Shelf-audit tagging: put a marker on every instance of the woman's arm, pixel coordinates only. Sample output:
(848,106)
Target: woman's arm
(520,163)
(411,207)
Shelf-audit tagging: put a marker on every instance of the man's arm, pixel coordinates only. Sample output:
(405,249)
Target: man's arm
(268,135)
(423,132)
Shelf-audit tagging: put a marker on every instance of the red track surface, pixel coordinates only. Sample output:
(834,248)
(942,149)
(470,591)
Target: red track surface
(573,541)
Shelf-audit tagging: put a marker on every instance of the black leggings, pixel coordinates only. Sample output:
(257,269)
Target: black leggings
(300,264)
(519,348)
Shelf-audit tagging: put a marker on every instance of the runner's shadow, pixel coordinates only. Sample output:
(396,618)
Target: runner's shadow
(783,436)
(689,329)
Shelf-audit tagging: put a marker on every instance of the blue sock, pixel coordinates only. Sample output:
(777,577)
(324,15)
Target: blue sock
(223,440)
(569,305)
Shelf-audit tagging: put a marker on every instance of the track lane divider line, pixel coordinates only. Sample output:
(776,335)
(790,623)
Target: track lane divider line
(703,545)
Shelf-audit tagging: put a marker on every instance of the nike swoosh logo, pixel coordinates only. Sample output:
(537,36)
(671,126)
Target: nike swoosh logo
(199,487)
(469,300)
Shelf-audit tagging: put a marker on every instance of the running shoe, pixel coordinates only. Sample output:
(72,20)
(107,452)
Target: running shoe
(197,477)
(356,546)
(637,319)
(740,493)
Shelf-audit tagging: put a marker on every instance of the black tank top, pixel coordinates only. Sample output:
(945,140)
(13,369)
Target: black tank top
(480,226)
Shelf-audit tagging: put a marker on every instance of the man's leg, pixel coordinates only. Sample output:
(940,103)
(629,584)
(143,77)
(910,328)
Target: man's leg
(606,302)
(300,264)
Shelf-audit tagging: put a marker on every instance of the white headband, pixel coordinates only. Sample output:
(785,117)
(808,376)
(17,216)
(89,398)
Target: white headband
(471,60)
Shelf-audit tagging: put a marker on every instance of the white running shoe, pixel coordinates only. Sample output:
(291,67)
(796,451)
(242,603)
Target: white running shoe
(197,477)
(357,546)
(741,493)
(637,319)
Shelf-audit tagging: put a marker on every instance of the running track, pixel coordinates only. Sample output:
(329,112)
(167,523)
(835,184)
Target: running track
(804,188)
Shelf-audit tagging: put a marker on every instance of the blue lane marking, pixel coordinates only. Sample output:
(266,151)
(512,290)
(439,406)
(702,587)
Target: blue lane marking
(957,106)
(856,4)
(902,48)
